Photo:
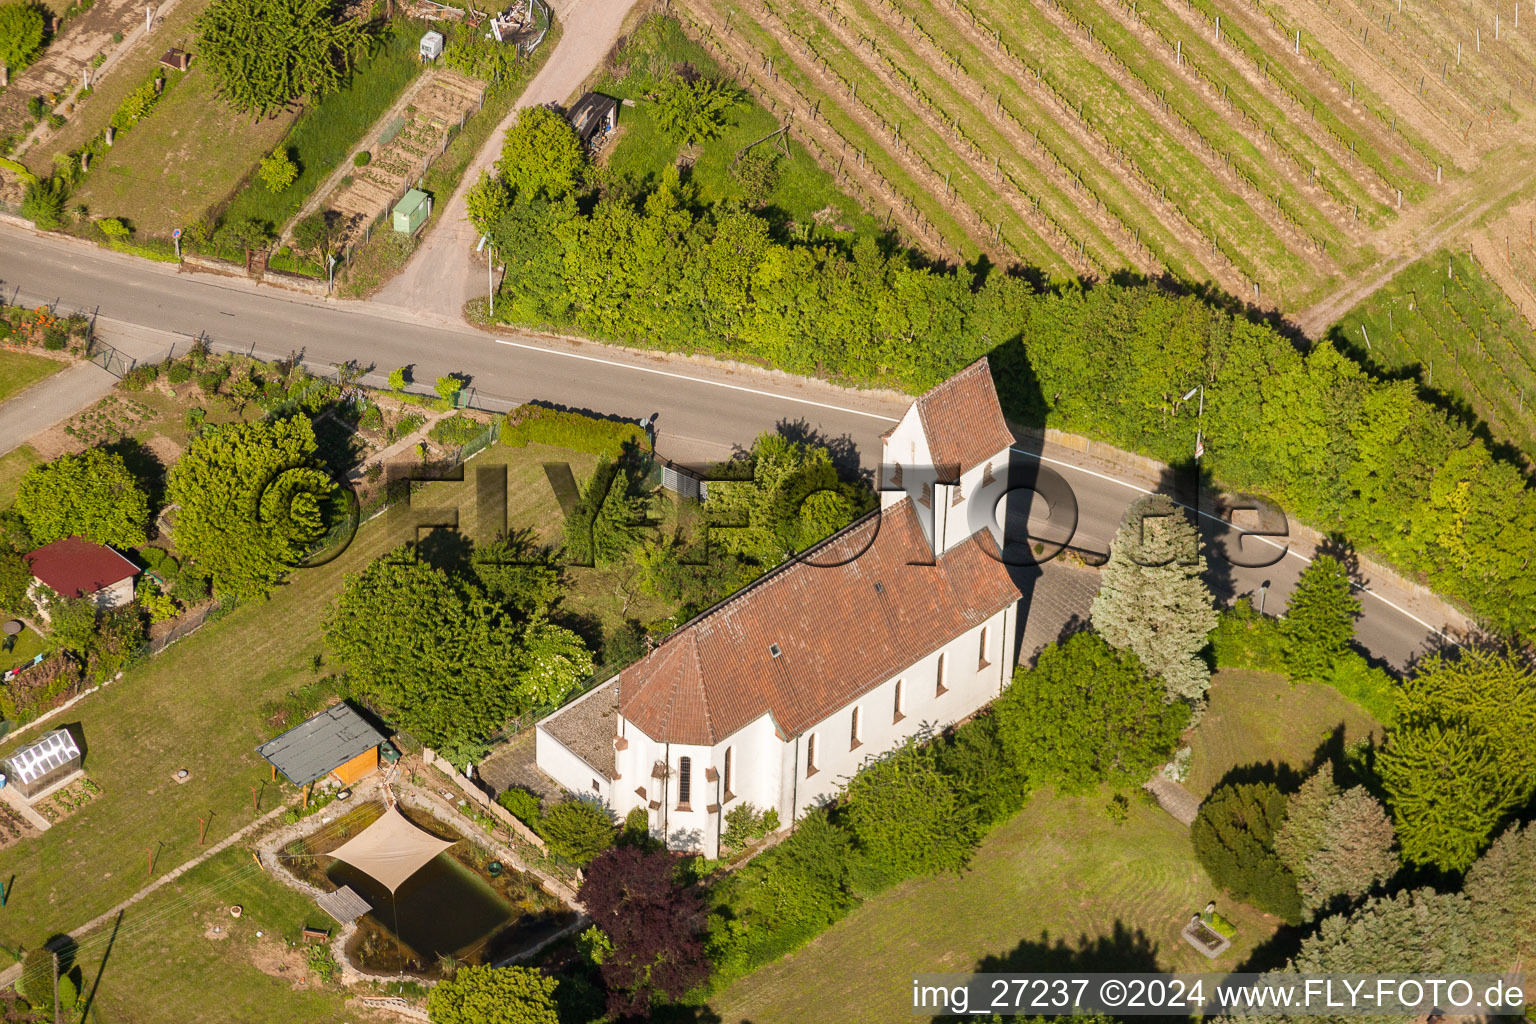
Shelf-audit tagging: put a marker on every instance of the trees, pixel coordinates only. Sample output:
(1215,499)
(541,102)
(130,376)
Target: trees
(633,895)
(15,580)
(542,156)
(252,502)
(312,232)
(21,34)
(604,527)
(1087,714)
(445,660)
(487,201)
(578,830)
(781,496)
(1501,891)
(1336,843)
(906,818)
(1152,599)
(494,995)
(397,379)
(91,495)
(266,53)
(694,109)
(1463,754)
(1320,619)
(1233,836)
(277,170)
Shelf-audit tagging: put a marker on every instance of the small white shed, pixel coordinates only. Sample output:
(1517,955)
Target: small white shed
(431,46)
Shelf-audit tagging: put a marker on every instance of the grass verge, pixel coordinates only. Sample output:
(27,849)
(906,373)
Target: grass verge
(19,371)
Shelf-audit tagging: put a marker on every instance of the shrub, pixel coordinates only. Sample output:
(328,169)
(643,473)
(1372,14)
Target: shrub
(744,823)
(1087,714)
(278,171)
(456,430)
(397,379)
(113,228)
(523,805)
(140,377)
(537,424)
(578,830)
(179,373)
(43,203)
(36,983)
(448,388)
(136,105)
(322,963)
(362,159)
(210,379)
(1233,837)
(21,34)
(372,418)
(37,107)
(694,110)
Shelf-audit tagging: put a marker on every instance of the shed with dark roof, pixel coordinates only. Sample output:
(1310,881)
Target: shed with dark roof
(338,741)
(74,567)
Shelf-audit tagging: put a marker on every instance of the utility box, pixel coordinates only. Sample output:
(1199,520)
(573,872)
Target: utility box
(431,46)
(411,211)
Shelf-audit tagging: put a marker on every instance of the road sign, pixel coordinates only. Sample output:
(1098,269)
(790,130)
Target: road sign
(176,234)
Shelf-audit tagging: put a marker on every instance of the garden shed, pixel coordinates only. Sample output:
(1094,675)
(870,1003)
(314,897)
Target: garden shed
(338,741)
(74,567)
(431,46)
(42,767)
(594,114)
(411,211)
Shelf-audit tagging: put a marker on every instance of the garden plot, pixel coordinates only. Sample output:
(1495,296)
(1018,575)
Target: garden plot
(80,40)
(409,142)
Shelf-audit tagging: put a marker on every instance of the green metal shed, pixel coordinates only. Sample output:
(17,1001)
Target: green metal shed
(411,211)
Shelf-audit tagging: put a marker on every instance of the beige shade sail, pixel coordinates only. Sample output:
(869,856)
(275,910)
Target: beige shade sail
(391,849)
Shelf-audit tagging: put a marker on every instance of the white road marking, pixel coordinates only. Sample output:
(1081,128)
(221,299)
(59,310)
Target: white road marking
(1262,539)
(698,380)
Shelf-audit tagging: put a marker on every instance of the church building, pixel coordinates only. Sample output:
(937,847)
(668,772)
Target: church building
(905,621)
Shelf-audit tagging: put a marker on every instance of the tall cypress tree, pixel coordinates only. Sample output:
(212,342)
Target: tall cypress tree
(1152,599)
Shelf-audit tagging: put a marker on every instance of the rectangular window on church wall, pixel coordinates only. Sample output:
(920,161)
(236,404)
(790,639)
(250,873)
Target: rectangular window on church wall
(684,781)
(853,734)
(982,662)
(941,689)
(730,756)
(900,714)
(810,755)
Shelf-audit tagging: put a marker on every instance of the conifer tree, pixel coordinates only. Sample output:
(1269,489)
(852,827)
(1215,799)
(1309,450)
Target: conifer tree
(1152,599)
(1320,619)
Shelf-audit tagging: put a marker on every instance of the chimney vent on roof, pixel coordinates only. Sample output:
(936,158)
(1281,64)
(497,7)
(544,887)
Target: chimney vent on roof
(775,650)
(879,587)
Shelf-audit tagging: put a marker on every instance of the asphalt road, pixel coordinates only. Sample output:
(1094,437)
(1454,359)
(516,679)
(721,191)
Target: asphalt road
(703,409)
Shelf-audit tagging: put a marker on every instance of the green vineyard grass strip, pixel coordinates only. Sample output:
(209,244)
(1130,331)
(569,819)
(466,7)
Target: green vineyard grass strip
(1251,101)
(1025,109)
(928,147)
(1396,171)
(1188,105)
(1124,123)
(1279,73)
(1106,250)
(949,227)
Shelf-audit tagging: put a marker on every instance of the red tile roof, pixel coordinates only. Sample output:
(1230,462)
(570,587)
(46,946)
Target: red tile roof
(840,629)
(77,568)
(963,419)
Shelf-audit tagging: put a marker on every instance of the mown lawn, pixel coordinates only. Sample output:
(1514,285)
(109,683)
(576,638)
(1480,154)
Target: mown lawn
(198,706)
(13,466)
(19,371)
(1061,886)
(643,150)
(326,132)
(167,964)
